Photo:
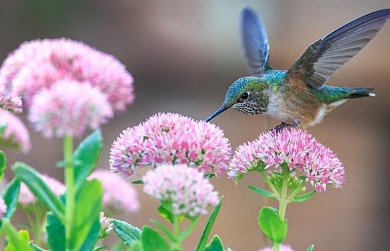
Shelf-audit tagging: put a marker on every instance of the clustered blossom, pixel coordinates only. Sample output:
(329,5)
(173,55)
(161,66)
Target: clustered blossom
(281,248)
(185,189)
(15,133)
(296,148)
(11,103)
(118,195)
(68,108)
(105,225)
(172,139)
(3,208)
(94,85)
(26,198)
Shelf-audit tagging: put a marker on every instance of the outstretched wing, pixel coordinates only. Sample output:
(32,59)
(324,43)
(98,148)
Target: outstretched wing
(254,41)
(324,57)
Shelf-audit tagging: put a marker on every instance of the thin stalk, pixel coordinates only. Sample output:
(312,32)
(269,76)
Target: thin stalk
(176,233)
(70,188)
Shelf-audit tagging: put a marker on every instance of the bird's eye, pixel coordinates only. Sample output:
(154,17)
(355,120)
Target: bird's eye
(244,96)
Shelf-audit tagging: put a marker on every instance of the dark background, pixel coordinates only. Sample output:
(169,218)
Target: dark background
(183,56)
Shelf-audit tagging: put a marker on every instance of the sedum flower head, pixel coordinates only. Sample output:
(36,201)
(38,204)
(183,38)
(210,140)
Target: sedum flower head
(38,64)
(68,108)
(26,198)
(185,189)
(3,208)
(295,147)
(15,133)
(282,247)
(119,195)
(173,139)
(106,225)
(11,103)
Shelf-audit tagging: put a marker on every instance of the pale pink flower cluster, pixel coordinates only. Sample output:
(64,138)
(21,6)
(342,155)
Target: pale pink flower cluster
(68,108)
(11,103)
(105,225)
(15,133)
(172,139)
(281,248)
(95,80)
(186,189)
(26,198)
(114,201)
(296,148)
(3,208)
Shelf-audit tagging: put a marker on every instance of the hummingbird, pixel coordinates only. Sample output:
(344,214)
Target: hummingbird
(298,96)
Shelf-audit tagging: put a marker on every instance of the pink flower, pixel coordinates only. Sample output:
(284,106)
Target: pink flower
(281,248)
(186,189)
(295,147)
(26,198)
(68,108)
(15,133)
(38,64)
(11,103)
(173,139)
(118,194)
(3,208)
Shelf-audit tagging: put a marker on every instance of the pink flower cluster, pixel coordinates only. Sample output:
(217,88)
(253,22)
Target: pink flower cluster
(68,108)
(185,189)
(11,103)
(114,201)
(26,198)
(172,139)
(46,67)
(15,133)
(296,148)
(281,248)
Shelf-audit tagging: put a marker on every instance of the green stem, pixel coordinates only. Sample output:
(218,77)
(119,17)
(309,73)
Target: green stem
(176,233)
(275,247)
(269,183)
(70,188)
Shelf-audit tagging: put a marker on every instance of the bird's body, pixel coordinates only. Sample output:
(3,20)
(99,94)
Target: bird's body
(299,96)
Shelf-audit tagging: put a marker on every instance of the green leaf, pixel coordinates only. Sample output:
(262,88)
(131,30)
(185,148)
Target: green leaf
(166,213)
(137,182)
(119,247)
(272,225)
(215,244)
(184,234)
(36,248)
(152,240)
(164,229)
(93,237)
(262,192)
(311,248)
(87,209)
(17,241)
(86,155)
(39,188)
(3,164)
(210,222)
(10,197)
(55,233)
(209,175)
(304,197)
(128,233)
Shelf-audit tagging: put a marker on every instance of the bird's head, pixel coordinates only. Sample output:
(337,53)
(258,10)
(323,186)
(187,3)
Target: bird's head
(247,95)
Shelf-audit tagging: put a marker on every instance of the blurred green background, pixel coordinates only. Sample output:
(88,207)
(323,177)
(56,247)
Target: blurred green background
(183,56)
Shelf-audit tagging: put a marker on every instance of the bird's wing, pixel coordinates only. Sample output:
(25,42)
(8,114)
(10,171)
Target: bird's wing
(254,41)
(324,57)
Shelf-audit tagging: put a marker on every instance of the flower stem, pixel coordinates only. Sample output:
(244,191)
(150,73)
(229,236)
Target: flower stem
(176,233)
(70,188)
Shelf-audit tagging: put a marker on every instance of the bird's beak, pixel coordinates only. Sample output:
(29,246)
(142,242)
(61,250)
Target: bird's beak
(220,110)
